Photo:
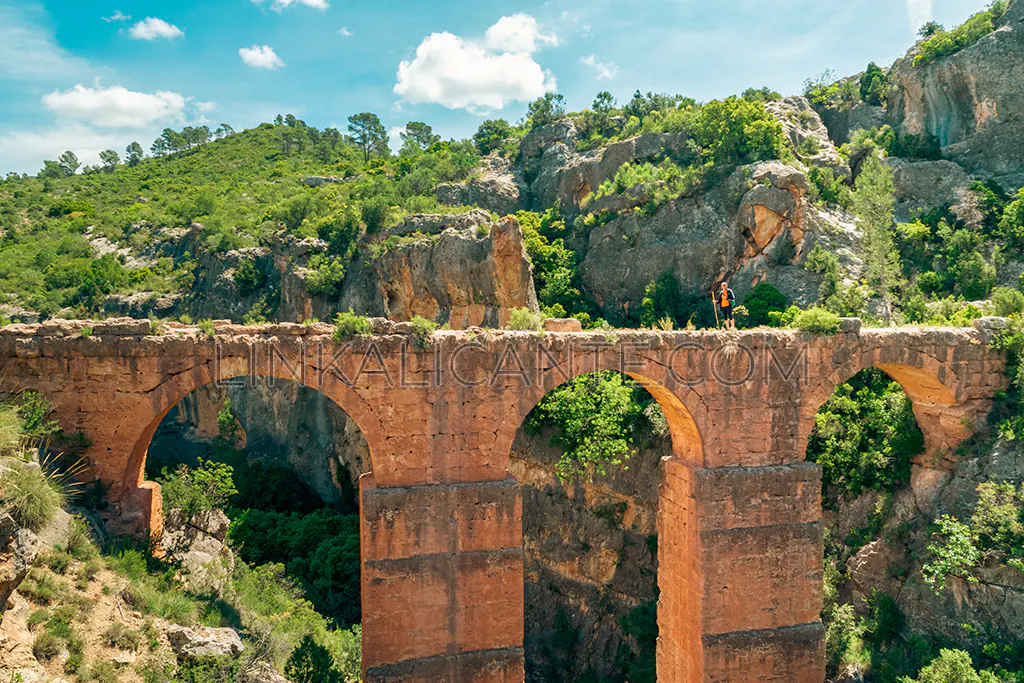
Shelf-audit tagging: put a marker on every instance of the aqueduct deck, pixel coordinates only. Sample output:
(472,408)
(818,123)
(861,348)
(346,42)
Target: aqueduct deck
(740,535)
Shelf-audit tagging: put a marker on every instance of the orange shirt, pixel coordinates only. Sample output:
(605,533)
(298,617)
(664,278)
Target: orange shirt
(725,299)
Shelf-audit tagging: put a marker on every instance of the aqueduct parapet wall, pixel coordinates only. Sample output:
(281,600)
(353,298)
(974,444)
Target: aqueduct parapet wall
(740,535)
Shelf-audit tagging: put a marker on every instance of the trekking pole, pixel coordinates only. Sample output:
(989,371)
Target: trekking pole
(714,305)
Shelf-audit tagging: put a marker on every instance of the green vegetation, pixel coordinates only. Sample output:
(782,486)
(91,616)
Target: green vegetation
(817,321)
(761,301)
(941,43)
(864,437)
(347,325)
(595,418)
(524,319)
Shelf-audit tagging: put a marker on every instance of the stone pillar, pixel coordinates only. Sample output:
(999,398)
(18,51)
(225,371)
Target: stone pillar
(442,583)
(762,554)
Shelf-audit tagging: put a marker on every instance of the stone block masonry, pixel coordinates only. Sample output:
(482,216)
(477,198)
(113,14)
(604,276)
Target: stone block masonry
(739,519)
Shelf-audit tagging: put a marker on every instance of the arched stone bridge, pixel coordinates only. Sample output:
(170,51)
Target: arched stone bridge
(740,535)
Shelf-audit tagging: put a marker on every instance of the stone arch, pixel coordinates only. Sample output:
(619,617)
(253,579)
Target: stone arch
(136,430)
(934,390)
(680,648)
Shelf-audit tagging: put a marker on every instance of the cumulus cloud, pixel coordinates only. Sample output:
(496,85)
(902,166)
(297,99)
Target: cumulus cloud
(117,16)
(261,57)
(152,28)
(519,33)
(920,12)
(281,5)
(23,151)
(605,70)
(345,32)
(478,75)
(115,107)
(205,107)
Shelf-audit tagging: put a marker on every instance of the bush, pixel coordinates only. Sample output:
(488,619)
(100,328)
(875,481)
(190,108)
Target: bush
(524,319)
(311,663)
(761,301)
(942,43)
(1007,302)
(829,188)
(197,490)
(206,327)
(423,329)
(376,213)
(121,637)
(325,277)
(46,646)
(952,666)
(248,276)
(817,321)
(347,325)
(58,562)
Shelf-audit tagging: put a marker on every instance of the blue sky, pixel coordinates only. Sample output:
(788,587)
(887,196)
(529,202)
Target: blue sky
(86,76)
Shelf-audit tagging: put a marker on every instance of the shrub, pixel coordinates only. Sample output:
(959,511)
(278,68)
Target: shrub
(11,432)
(524,319)
(311,663)
(121,637)
(595,415)
(30,495)
(817,321)
(325,277)
(376,213)
(942,43)
(248,276)
(46,646)
(423,329)
(102,672)
(762,300)
(952,666)
(78,542)
(197,490)
(206,327)
(1007,302)
(347,324)
(828,187)
(58,562)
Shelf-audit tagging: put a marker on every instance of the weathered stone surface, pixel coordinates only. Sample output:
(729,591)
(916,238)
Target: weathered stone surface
(970,101)
(563,325)
(495,188)
(198,546)
(469,272)
(18,550)
(204,642)
(808,135)
(925,185)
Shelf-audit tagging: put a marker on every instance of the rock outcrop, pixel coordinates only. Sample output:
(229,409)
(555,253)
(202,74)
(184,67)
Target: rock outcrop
(462,275)
(808,135)
(496,187)
(199,547)
(190,643)
(18,550)
(925,185)
(972,101)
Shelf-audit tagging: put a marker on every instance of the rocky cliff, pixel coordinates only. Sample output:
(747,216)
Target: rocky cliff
(972,101)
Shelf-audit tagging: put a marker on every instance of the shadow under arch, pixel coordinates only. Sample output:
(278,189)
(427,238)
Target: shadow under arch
(139,427)
(680,653)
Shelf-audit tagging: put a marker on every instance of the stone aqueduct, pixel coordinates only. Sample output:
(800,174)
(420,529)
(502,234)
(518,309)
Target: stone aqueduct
(740,533)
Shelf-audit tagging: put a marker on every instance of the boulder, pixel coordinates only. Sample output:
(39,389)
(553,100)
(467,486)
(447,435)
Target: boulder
(204,642)
(198,546)
(18,550)
(563,325)
(436,223)
(877,567)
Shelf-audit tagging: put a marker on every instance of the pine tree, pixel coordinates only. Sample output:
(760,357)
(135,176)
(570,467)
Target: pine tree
(873,203)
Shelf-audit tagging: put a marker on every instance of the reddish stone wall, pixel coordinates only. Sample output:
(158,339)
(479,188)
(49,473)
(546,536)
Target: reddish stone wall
(740,547)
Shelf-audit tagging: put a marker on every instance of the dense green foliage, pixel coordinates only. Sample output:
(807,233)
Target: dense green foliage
(864,436)
(941,43)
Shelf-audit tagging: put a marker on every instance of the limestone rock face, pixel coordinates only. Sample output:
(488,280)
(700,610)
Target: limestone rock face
(971,101)
(199,546)
(497,188)
(756,225)
(841,124)
(204,642)
(18,550)
(468,275)
(807,134)
(924,185)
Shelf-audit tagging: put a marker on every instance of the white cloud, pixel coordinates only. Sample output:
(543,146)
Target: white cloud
(605,70)
(281,5)
(117,16)
(920,12)
(395,137)
(519,34)
(261,57)
(115,107)
(152,28)
(478,75)
(205,107)
(345,32)
(24,151)
(28,49)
